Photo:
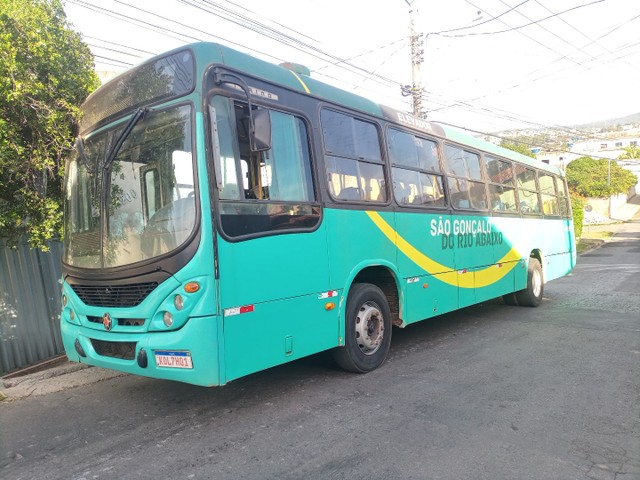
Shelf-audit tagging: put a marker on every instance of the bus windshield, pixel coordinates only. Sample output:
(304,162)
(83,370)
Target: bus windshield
(137,205)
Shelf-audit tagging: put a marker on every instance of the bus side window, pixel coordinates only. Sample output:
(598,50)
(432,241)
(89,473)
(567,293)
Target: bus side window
(268,191)
(417,179)
(502,192)
(353,159)
(548,194)
(465,178)
(563,197)
(528,190)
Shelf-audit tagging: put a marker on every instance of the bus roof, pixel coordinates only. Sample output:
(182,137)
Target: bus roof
(207,53)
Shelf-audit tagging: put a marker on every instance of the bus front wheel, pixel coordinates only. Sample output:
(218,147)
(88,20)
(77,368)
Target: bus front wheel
(367,329)
(532,295)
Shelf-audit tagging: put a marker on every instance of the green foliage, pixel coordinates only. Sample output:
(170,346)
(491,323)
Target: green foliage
(517,147)
(46,71)
(588,177)
(577,208)
(630,153)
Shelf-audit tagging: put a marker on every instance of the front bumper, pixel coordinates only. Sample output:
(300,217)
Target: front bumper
(199,336)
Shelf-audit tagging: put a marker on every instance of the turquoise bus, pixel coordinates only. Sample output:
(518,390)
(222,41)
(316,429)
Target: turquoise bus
(224,215)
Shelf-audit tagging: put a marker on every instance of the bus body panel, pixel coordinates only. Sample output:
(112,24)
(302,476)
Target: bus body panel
(280,331)
(199,337)
(273,294)
(354,243)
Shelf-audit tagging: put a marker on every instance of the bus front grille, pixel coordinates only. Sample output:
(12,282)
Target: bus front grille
(114,296)
(123,350)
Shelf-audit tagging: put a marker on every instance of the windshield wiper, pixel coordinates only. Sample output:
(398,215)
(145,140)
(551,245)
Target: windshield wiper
(137,116)
(83,156)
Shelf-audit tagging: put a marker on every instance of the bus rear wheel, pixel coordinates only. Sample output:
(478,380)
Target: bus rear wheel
(367,330)
(532,295)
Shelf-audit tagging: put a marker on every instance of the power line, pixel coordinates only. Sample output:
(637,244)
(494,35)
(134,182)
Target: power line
(118,44)
(522,26)
(286,39)
(591,41)
(300,46)
(492,19)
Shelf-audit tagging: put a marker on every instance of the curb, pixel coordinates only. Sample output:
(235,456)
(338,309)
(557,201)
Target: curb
(43,382)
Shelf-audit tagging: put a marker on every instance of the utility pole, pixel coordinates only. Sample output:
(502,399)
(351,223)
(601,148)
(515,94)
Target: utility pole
(417,57)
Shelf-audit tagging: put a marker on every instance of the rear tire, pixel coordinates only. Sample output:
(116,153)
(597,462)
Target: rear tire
(532,295)
(367,330)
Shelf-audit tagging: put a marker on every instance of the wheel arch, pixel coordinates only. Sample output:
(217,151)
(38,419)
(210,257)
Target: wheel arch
(385,276)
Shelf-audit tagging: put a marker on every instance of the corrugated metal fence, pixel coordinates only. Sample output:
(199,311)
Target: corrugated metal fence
(29,305)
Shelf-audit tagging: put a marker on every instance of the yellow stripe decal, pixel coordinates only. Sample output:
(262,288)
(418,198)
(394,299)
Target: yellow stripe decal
(483,278)
(304,85)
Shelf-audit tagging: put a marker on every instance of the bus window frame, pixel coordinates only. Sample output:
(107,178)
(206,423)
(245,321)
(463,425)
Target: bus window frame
(511,163)
(234,95)
(554,195)
(561,182)
(483,176)
(441,173)
(384,160)
(539,214)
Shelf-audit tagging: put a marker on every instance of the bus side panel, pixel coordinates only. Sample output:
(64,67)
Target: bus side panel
(428,296)
(270,292)
(277,332)
(505,284)
(354,239)
(429,250)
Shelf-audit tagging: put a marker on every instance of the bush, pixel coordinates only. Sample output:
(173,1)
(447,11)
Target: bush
(577,207)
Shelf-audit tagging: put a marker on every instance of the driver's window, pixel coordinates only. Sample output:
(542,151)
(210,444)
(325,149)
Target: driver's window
(262,192)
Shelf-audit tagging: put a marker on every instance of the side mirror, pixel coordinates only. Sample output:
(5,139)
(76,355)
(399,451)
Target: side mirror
(261,140)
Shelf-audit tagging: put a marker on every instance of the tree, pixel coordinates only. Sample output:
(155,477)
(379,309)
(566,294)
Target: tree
(630,153)
(589,177)
(517,147)
(46,71)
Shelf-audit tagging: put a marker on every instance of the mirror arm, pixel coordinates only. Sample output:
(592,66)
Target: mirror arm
(219,77)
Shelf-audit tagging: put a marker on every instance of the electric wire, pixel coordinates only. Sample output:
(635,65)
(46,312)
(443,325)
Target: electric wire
(338,60)
(511,29)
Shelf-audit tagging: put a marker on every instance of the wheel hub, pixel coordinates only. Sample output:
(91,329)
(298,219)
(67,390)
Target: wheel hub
(369,328)
(536,283)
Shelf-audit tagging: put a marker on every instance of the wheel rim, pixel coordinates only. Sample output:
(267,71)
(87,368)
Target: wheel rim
(369,328)
(536,283)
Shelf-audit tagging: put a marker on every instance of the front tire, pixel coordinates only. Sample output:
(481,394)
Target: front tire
(532,295)
(367,330)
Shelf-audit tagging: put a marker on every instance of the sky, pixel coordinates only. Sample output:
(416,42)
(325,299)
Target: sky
(488,65)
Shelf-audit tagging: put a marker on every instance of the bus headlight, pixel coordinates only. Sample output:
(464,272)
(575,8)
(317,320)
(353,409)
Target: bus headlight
(167,318)
(64,300)
(178,301)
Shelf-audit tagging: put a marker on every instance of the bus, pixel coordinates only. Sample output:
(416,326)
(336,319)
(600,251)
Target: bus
(224,215)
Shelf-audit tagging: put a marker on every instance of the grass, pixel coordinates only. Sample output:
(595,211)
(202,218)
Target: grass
(591,240)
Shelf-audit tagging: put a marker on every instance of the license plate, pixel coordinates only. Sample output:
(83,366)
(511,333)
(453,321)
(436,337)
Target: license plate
(173,359)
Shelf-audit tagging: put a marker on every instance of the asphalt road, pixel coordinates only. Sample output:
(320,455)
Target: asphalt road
(490,392)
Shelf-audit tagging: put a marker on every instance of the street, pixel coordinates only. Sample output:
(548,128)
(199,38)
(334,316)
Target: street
(490,392)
